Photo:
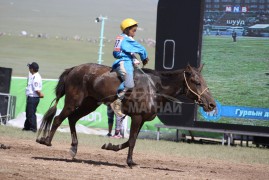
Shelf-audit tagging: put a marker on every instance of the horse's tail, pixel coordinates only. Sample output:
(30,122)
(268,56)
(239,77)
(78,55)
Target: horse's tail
(48,117)
(60,88)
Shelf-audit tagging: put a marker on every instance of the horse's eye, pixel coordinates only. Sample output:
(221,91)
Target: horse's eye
(197,83)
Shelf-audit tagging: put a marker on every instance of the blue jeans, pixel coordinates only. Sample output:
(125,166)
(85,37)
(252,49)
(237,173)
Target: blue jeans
(126,71)
(30,122)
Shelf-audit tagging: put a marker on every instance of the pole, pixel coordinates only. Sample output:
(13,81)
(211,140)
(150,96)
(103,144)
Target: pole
(102,19)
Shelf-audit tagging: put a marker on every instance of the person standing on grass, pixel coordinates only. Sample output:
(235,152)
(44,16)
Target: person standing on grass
(234,36)
(118,124)
(33,93)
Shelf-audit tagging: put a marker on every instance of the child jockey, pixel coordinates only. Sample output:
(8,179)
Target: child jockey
(125,49)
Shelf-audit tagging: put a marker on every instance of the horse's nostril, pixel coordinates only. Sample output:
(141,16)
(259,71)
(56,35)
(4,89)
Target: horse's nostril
(212,106)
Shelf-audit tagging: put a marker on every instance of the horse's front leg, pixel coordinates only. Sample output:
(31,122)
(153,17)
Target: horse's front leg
(136,125)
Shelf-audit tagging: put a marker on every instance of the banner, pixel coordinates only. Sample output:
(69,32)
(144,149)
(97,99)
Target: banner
(255,114)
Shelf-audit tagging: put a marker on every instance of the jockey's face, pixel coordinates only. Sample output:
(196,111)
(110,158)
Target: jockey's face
(132,31)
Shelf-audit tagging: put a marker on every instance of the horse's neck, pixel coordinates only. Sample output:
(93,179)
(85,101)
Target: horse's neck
(171,82)
(168,83)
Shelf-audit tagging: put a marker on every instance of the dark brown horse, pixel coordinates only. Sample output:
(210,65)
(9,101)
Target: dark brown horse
(88,85)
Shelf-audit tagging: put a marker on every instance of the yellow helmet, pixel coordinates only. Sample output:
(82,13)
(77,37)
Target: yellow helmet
(127,23)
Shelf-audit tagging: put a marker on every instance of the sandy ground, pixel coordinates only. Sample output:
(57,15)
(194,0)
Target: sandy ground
(25,159)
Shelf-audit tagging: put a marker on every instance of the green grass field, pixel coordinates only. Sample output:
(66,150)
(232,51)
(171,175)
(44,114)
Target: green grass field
(53,55)
(66,19)
(236,72)
(70,18)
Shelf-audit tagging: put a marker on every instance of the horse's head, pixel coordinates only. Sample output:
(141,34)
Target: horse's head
(196,88)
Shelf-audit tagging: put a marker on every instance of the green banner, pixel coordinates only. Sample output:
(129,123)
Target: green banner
(97,119)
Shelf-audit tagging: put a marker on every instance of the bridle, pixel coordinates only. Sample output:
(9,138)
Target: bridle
(198,95)
(174,99)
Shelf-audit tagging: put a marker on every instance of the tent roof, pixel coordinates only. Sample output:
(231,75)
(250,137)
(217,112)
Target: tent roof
(259,26)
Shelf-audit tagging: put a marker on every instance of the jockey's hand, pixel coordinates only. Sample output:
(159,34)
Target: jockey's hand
(145,61)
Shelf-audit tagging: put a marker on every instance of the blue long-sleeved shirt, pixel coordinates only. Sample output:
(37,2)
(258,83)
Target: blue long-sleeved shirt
(124,47)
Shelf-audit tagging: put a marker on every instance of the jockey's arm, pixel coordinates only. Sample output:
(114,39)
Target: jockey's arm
(132,47)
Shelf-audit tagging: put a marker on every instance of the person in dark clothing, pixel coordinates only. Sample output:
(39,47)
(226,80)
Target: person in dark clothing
(234,36)
(110,117)
(33,93)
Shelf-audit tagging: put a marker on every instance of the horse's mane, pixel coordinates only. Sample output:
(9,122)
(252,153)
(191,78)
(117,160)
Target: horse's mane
(150,71)
(162,73)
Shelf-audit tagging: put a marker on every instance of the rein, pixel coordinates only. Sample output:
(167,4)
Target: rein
(198,95)
(169,97)
(149,78)
(175,100)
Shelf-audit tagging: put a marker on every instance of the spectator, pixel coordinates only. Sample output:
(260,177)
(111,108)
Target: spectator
(118,125)
(234,36)
(33,93)
(110,117)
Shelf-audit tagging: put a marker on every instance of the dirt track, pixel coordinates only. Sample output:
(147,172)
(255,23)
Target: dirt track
(28,160)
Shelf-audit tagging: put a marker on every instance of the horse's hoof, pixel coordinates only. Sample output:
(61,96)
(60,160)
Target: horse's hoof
(2,146)
(41,140)
(107,146)
(104,146)
(47,142)
(131,164)
(72,153)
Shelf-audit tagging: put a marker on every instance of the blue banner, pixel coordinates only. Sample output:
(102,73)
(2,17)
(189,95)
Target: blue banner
(245,112)
(236,112)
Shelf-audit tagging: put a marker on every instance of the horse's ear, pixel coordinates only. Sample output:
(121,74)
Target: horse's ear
(201,67)
(188,70)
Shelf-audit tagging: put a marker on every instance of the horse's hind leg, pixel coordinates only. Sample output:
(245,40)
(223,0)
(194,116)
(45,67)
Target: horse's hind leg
(67,110)
(72,100)
(87,106)
(113,147)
